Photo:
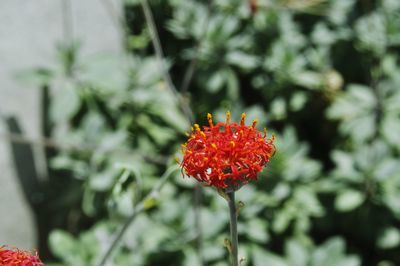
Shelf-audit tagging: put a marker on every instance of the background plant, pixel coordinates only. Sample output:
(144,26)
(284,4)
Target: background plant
(323,74)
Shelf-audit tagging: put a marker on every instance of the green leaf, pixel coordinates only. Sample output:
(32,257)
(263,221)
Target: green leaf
(296,253)
(278,109)
(391,5)
(329,253)
(386,263)
(348,200)
(262,257)
(281,221)
(64,246)
(298,101)
(322,35)
(191,258)
(102,181)
(308,199)
(66,103)
(309,79)
(106,71)
(232,85)
(339,9)
(216,81)
(242,60)
(390,129)
(150,202)
(212,252)
(256,230)
(356,110)
(37,77)
(371,33)
(390,238)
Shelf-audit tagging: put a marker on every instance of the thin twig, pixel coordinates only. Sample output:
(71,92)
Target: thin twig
(140,207)
(120,234)
(155,40)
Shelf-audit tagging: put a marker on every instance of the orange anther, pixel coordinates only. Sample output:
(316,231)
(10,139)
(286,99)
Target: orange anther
(254,123)
(228,117)
(210,121)
(242,119)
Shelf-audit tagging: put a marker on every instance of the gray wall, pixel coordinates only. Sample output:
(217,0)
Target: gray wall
(29,31)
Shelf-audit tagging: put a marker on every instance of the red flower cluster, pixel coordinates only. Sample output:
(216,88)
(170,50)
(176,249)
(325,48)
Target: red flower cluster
(226,155)
(15,257)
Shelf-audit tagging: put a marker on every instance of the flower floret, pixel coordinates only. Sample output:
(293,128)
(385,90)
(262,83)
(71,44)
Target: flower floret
(16,257)
(226,155)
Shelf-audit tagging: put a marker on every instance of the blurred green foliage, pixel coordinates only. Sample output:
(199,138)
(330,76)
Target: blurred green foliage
(323,75)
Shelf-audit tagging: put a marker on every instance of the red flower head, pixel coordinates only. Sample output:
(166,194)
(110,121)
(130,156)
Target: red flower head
(15,257)
(226,155)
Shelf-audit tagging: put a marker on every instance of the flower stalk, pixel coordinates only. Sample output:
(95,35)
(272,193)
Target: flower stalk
(227,155)
(233,224)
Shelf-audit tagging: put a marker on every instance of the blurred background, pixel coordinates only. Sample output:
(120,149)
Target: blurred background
(96,97)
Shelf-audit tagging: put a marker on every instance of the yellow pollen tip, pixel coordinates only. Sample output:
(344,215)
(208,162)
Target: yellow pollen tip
(197,127)
(242,119)
(232,143)
(228,117)
(202,134)
(254,123)
(210,121)
(205,159)
(214,146)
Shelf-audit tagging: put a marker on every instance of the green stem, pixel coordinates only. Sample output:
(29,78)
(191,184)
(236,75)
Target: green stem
(233,223)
